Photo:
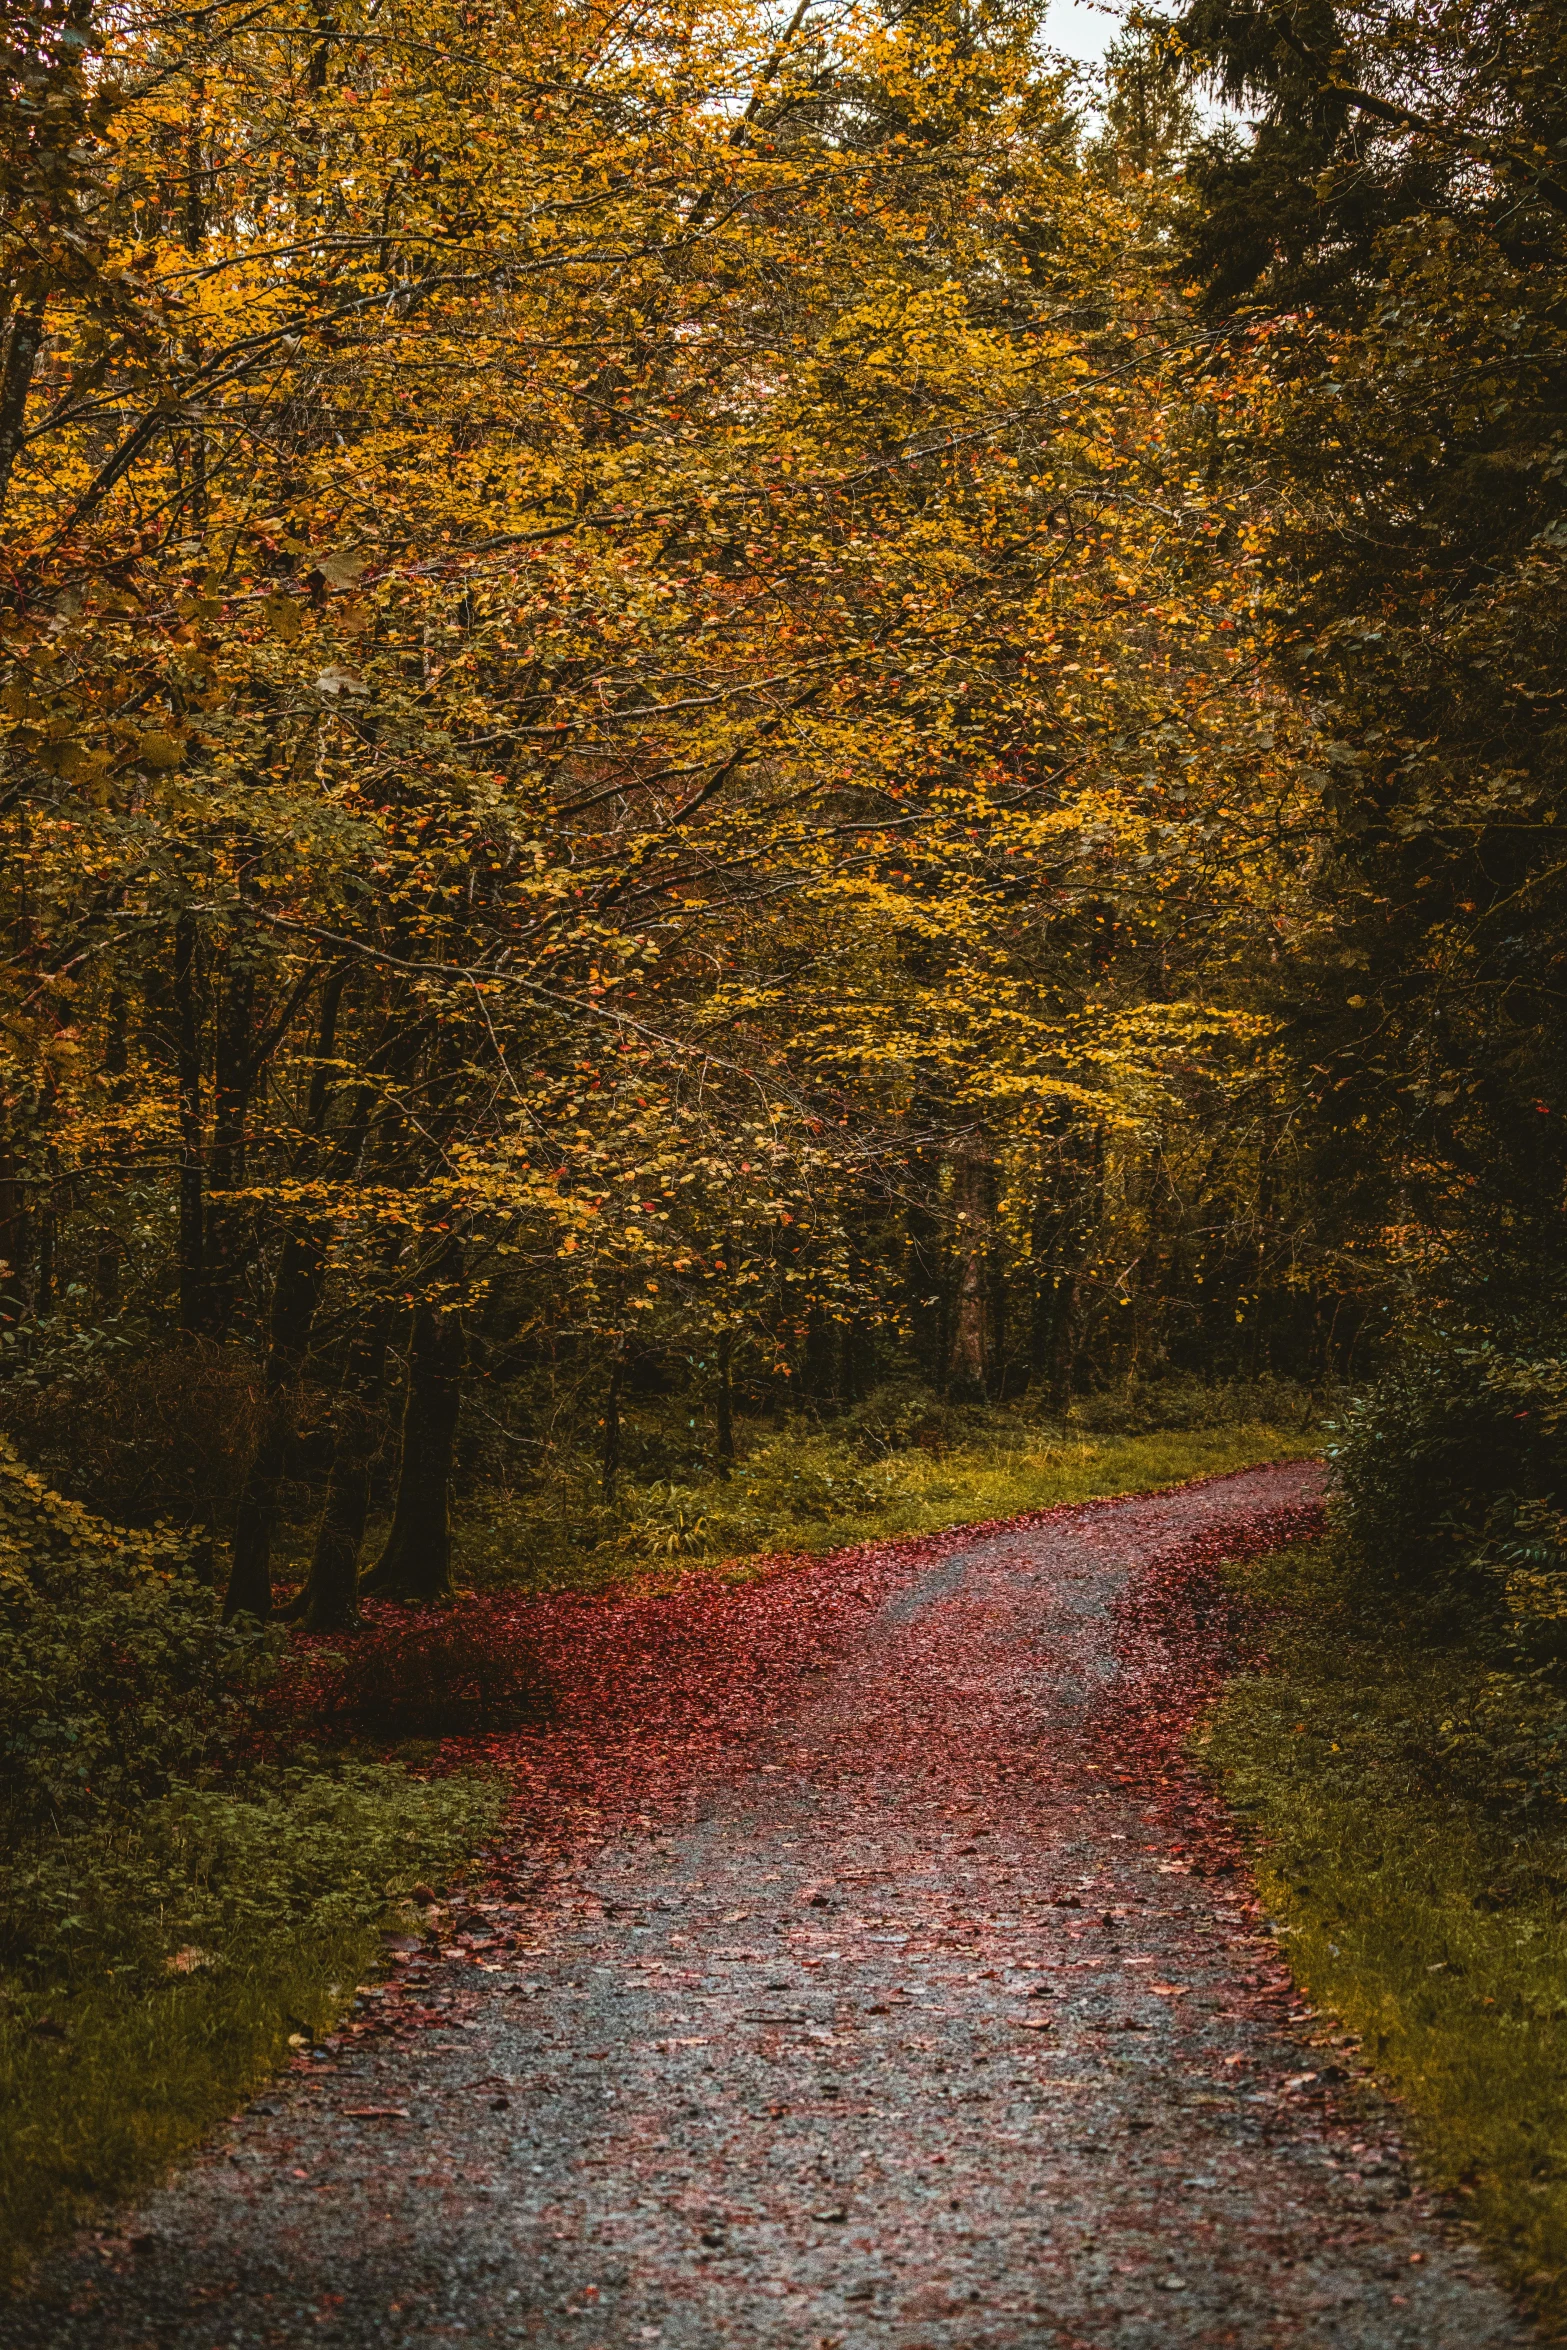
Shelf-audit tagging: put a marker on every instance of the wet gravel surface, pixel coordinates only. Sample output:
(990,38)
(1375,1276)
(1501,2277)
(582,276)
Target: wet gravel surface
(934,2023)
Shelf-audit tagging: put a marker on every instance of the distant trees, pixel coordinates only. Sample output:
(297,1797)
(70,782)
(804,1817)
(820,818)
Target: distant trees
(1393,240)
(635,745)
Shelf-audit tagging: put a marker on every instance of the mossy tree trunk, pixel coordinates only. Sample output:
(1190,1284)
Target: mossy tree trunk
(610,1477)
(296,1293)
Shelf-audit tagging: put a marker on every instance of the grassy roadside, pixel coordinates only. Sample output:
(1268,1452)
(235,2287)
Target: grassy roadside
(181,1956)
(140,2075)
(817,1493)
(1421,1905)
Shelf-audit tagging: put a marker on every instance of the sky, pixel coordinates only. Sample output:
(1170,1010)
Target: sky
(1081,29)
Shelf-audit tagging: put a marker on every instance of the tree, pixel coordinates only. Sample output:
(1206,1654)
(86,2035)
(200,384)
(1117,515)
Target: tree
(616,671)
(1393,244)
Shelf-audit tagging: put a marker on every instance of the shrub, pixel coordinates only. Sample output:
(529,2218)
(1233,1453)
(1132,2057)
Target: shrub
(1186,1402)
(411,1671)
(1450,1477)
(116,1676)
(139,1431)
(208,1871)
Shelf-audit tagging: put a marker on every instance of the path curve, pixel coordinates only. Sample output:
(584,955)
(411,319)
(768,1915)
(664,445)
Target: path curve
(915,2028)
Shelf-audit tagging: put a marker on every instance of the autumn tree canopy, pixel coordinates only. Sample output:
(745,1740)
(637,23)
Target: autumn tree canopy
(641,741)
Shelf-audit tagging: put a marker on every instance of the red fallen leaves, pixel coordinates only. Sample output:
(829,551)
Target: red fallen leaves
(408,1671)
(656,1693)
(1180,1631)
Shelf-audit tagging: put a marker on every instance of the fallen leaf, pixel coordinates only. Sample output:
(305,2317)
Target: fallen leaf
(342,569)
(283,617)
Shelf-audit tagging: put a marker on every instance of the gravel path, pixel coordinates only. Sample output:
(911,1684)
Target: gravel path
(917,2030)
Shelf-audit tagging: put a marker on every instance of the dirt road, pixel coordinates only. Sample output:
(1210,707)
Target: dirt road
(931,2018)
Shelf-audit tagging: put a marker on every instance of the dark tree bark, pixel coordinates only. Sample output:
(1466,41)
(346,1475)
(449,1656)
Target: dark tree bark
(968,1369)
(819,1370)
(330,1599)
(611,1469)
(296,1294)
(187,1062)
(22,346)
(48,1234)
(234,1071)
(116,1061)
(417,1561)
(13,1227)
(725,1406)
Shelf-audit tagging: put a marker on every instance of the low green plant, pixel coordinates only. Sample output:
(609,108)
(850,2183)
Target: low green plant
(100,2092)
(157,1964)
(1452,1481)
(874,1475)
(1418,1871)
(172,1908)
(116,1675)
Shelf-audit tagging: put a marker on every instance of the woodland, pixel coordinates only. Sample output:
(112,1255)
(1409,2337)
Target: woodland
(740,752)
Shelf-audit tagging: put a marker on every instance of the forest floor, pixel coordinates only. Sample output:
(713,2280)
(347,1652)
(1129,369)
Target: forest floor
(867,1964)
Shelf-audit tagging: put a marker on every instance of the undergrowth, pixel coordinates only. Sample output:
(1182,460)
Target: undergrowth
(178,1894)
(1419,1871)
(814,1490)
(158,1966)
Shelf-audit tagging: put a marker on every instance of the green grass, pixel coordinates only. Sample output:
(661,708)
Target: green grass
(142,2075)
(805,1492)
(1421,1905)
(278,1892)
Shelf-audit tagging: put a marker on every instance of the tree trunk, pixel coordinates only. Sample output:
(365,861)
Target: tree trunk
(417,1561)
(296,1293)
(22,346)
(187,1058)
(975,1199)
(330,1599)
(726,1422)
(819,1368)
(611,1471)
(231,1082)
(116,1061)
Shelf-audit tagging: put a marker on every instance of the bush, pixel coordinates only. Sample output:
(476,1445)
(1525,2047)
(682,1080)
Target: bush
(138,1430)
(1451,1474)
(1178,1402)
(116,1676)
(208,1871)
(410,1672)
(173,1911)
